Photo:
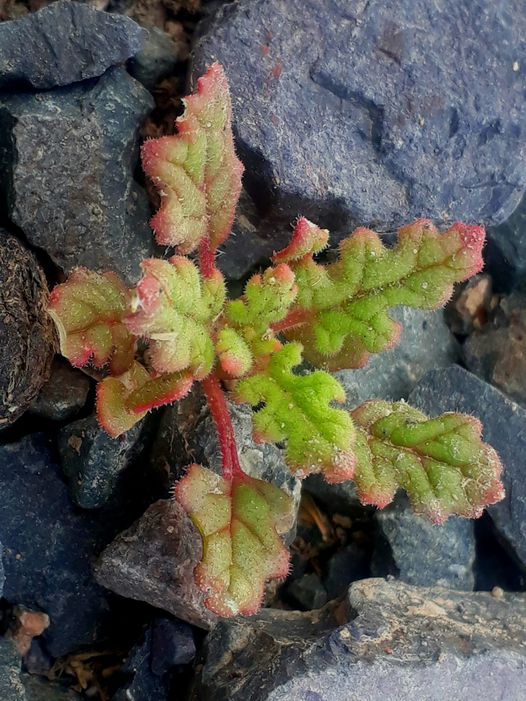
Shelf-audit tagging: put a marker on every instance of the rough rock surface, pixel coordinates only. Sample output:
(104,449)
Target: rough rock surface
(423,553)
(38,689)
(154,561)
(64,394)
(157,59)
(353,114)
(187,434)
(64,43)
(25,329)
(66,164)
(11,687)
(504,422)
(92,461)
(144,684)
(497,352)
(49,546)
(400,642)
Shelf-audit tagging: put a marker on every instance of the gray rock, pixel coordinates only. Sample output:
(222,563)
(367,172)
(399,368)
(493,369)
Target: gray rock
(426,343)
(172,644)
(92,461)
(144,684)
(497,352)
(26,329)
(154,561)
(401,642)
(157,59)
(187,434)
(425,554)
(11,687)
(64,43)
(38,689)
(504,422)
(49,546)
(346,566)
(308,591)
(2,571)
(352,114)
(63,395)
(77,147)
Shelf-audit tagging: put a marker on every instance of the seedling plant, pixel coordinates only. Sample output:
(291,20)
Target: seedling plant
(177,327)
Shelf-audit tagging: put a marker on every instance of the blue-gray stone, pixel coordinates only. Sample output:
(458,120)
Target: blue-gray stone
(67,158)
(64,43)
(372,112)
(423,553)
(92,461)
(49,546)
(401,642)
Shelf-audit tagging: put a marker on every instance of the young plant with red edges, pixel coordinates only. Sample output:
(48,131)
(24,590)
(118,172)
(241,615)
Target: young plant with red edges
(335,316)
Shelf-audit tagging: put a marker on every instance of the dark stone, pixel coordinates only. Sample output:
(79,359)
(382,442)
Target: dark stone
(144,684)
(505,252)
(92,461)
(66,159)
(352,114)
(158,59)
(64,43)
(308,591)
(426,343)
(497,352)
(38,689)
(345,566)
(49,546)
(494,565)
(187,434)
(64,394)
(154,561)
(400,642)
(425,554)
(2,571)
(11,687)
(38,661)
(172,644)
(504,422)
(26,329)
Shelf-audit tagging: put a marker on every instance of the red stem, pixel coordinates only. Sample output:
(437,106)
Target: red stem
(207,263)
(296,317)
(225,431)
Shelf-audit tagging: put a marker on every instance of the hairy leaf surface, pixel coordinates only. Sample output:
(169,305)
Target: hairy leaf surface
(124,400)
(441,463)
(240,522)
(346,304)
(175,312)
(88,310)
(247,336)
(196,171)
(298,410)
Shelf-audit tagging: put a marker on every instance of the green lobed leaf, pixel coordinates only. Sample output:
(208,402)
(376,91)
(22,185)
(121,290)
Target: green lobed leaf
(247,335)
(441,463)
(196,171)
(176,310)
(240,522)
(298,410)
(124,400)
(88,310)
(346,304)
